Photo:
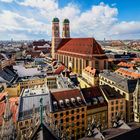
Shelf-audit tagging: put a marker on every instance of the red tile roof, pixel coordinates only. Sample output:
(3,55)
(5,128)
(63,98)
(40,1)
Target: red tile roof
(59,69)
(93,92)
(86,47)
(33,54)
(128,73)
(13,106)
(41,49)
(66,94)
(125,64)
(2,95)
(136,59)
(40,43)
(90,70)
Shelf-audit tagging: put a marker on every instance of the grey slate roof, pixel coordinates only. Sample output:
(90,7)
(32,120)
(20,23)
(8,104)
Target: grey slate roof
(43,133)
(27,102)
(8,75)
(111,93)
(127,85)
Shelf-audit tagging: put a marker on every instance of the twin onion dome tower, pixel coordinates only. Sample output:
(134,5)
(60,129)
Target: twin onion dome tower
(56,33)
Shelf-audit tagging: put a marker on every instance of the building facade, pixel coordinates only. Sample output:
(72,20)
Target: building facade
(69,113)
(116,104)
(124,86)
(96,107)
(76,53)
(90,75)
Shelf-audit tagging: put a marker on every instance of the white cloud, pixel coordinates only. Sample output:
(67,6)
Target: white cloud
(132,27)
(11,21)
(44,4)
(100,21)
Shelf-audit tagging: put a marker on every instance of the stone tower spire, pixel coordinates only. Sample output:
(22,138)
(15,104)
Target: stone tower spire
(8,129)
(55,36)
(66,29)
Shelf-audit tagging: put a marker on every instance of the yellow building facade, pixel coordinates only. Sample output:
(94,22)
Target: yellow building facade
(71,122)
(128,96)
(14,90)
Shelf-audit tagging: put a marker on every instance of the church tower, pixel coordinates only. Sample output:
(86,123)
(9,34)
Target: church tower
(66,29)
(55,36)
(8,129)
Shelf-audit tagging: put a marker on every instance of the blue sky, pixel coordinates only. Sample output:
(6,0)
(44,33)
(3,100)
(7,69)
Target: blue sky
(31,19)
(128,9)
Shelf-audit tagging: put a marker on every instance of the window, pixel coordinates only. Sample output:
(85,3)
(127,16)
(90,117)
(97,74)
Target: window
(56,122)
(20,124)
(116,107)
(67,126)
(67,113)
(77,110)
(117,102)
(67,119)
(62,127)
(83,115)
(112,108)
(96,64)
(55,115)
(77,123)
(83,109)
(72,131)
(87,63)
(61,121)
(121,107)
(78,117)
(26,122)
(112,114)
(72,118)
(72,112)
(83,128)
(61,114)
(121,102)
(112,103)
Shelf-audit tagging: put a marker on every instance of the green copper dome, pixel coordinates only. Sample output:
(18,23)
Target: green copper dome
(66,21)
(55,19)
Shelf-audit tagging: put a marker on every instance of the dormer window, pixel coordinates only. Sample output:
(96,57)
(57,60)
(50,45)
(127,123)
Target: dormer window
(79,100)
(55,105)
(73,101)
(67,101)
(61,103)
